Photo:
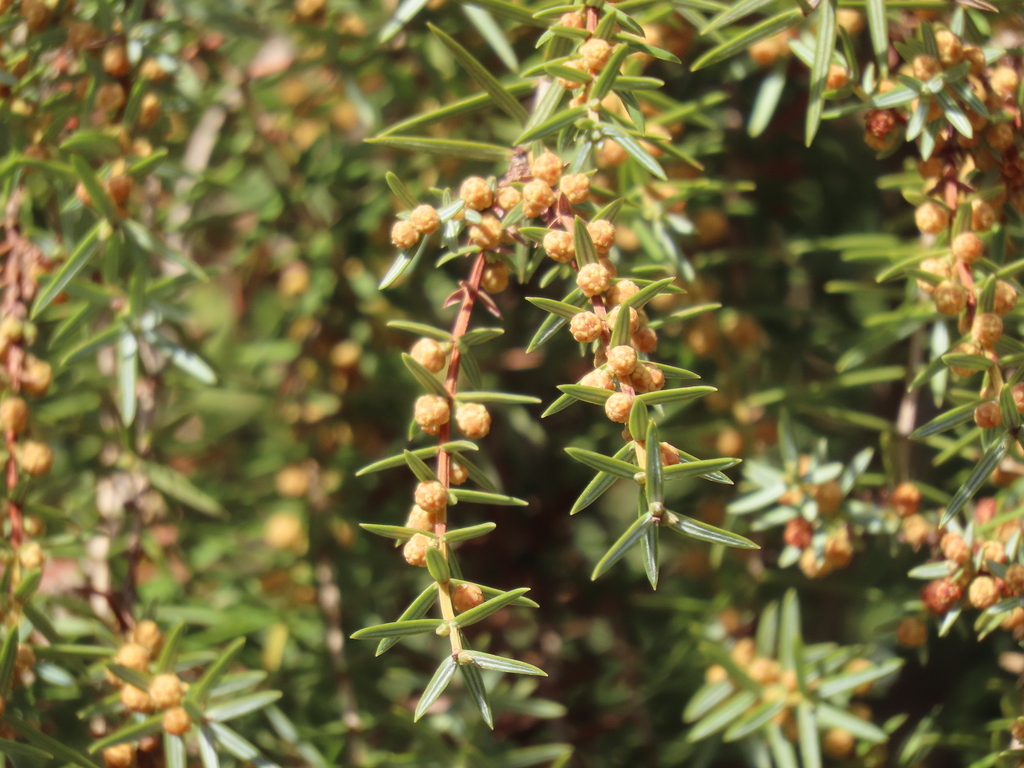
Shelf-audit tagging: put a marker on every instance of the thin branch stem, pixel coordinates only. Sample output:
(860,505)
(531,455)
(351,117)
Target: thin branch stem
(470,288)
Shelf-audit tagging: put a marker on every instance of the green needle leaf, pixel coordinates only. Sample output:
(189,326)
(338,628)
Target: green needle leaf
(626,541)
(824,47)
(436,686)
(698,530)
(502,98)
(502,664)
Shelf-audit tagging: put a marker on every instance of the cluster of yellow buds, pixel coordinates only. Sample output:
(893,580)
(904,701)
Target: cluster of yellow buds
(780,684)
(166,693)
(979,569)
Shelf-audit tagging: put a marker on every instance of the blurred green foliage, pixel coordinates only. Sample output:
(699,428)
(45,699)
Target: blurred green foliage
(223,366)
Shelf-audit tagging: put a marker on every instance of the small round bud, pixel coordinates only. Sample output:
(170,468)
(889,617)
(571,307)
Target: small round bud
(798,533)
(294,280)
(284,531)
(458,474)
(110,97)
(711,226)
(599,379)
(764,671)
(838,77)
(82,35)
(1004,81)
(547,168)
(1014,579)
(645,340)
(994,551)
(812,566)
(594,54)
(618,406)
(916,530)
(487,234)
(766,52)
(622,291)
(36,376)
(576,187)
(926,67)
(950,48)
(473,419)
(11,329)
(1000,136)
(593,279)
(115,60)
(571,84)
(119,755)
(1005,298)
(431,413)
(983,216)
(292,482)
(147,634)
(955,548)
(622,360)
(968,247)
(149,111)
(931,217)
(508,198)
(987,328)
(36,458)
(495,277)
(537,198)
(177,722)
(987,415)
(420,519)
(647,378)
(838,548)
(586,327)
(432,496)
(429,353)
(603,234)
(119,188)
(828,495)
(415,550)
(404,235)
(425,218)
(166,690)
(950,298)
(911,632)
(906,499)
(31,555)
(572,19)
(134,656)
(466,596)
(634,319)
(838,743)
(967,348)
(136,700)
(14,415)
(610,154)
(560,246)
(976,57)
(743,652)
(477,193)
(983,592)
(1018,397)
(984,510)
(1014,620)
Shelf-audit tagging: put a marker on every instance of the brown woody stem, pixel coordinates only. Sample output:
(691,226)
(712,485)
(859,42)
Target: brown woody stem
(451,384)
